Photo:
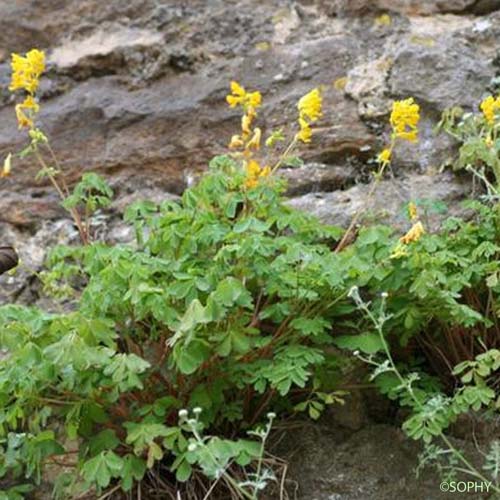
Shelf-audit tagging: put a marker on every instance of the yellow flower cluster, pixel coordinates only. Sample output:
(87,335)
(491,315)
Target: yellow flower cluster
(249,101)
(309,111)
(490,106)
(385,156)
(414,234)
(404,119)
(249,139)
(239,96)
(405,116)
(26,72)
(254,172)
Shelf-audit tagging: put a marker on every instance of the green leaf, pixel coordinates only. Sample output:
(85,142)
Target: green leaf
(369,343)
(142,435)
(190,357)
(134,468)
(102,468)
(183,471)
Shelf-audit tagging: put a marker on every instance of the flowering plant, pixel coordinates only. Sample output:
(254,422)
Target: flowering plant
(223,303)
(92,192)
(477,134)
(226,306)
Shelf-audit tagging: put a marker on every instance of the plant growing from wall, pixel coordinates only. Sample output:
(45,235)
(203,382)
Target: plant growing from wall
(432,411)
(223,303)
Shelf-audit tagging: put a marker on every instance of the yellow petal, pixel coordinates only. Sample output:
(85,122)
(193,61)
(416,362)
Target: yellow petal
(266,171)
(253,168)
(254,142)
(22,119)
(7,166)
(236,142)
(310,105)
(237,89)
(384,156)
(305,133)
(254,99)
(413,234)
(246,122)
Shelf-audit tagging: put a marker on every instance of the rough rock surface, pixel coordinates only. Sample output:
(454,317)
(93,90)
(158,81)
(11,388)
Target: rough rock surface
(376,462)
(135,90)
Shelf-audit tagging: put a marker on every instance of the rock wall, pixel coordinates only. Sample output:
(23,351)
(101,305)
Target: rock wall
(135,90)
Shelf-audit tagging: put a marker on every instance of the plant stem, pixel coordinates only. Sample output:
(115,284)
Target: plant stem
(358,214)
(379,327)
(74,213)
(284,154)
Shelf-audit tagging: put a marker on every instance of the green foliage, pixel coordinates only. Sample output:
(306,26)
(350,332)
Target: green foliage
(225,302)
(91,193)
(431,410)
(479,146)
(445,287)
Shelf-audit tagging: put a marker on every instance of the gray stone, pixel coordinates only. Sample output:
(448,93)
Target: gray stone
(314,177)
(377,462)
(445,73)
(367,85)
(439,194)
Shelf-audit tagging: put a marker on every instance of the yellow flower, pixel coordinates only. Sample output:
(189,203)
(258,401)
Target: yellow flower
(412,210)
(26,71)
(305,133)
(266,171)
(30,103)
(7,164)
(26,119)
(414,234)
(22,119)
(310,105)
(246,123)
(254,142)
(240,96)
(404,119)
(253,168)
(489,107)
(254,171)
(254,99)
(36,59)
(384,156)
(236,142)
